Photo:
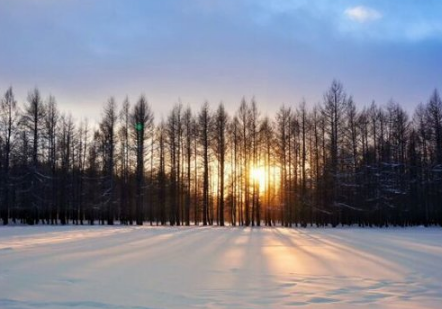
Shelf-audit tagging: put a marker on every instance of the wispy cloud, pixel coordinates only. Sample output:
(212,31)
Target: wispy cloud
(362,14)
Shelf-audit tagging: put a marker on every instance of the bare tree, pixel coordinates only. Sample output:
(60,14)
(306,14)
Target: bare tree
(124,158)
(335,104)
(204,122)
(189,135)
(142,121)
(108,131)
(220,131)
(8,126)
(32,119)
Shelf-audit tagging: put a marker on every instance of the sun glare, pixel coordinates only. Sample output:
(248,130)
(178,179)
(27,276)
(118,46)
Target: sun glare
(263,176)
(259,176)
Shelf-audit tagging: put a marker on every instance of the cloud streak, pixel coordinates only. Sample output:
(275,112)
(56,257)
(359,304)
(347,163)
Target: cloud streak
(362,14)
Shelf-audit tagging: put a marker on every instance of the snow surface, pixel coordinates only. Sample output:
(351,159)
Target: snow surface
(167,267)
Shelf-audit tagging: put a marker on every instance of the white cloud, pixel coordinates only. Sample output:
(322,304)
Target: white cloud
(362,14)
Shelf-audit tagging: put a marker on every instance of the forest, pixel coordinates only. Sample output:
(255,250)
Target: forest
(331,164)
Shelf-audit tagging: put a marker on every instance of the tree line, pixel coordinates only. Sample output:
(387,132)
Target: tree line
(330,164)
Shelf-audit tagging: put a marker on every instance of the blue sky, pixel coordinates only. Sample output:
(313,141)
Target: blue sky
(279,51)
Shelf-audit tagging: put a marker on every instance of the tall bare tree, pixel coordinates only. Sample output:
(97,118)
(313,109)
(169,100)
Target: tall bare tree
(108,126)
(204,122)
(8,127)
(142,121)
(220,132)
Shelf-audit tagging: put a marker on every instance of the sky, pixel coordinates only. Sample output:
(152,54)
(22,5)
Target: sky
(278,51)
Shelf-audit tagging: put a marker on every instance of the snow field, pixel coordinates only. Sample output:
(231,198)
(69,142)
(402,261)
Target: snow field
(195,267)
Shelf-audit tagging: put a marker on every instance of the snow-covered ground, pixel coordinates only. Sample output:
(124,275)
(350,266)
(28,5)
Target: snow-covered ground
(166,267)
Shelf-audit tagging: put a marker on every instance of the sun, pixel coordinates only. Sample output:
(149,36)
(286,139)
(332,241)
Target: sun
(259,176)
(266,177)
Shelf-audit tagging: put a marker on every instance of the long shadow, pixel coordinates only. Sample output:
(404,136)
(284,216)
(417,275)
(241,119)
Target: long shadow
(345,248)
(90,246)
(387,248)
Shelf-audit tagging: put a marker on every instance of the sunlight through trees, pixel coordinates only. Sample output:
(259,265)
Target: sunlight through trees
(332,163)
